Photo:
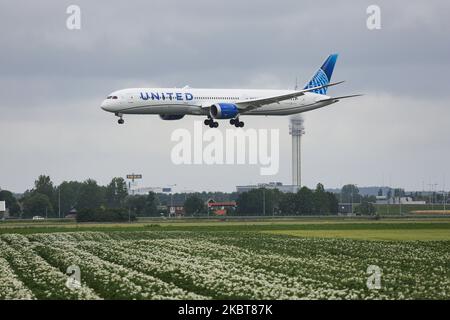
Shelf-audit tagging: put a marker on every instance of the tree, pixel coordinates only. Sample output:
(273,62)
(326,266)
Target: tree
(365,208)
(91,195)
(136,203)
(258,201)
(105,215)
(305,200)
(321,200)
(151,204)
(11,202)
(194,205)
(69,192)
(44,185)
(37,204)
(350,193)
(333,203)
(116,192)
(250,202)
(288,204)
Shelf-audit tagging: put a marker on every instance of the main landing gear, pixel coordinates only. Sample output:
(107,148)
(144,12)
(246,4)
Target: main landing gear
(120,121)
(236,123)
(214,124)
(211,123)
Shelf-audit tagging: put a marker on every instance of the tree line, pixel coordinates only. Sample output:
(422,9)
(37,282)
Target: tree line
(274,202)
(88,197)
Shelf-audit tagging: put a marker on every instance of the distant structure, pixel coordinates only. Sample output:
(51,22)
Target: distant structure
(296,130)
(133,177)
(398,200)
(3,211)
(271,185)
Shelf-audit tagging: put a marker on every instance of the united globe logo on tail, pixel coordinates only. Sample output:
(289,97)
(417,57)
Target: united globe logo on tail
(323,75)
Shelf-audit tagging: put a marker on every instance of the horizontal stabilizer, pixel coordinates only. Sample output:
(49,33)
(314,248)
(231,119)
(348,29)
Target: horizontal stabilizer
(342,97)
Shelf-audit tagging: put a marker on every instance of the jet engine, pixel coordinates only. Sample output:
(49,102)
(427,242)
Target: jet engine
(224,111)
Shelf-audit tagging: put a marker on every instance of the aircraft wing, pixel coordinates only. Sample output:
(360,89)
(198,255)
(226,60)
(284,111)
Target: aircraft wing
(252,104)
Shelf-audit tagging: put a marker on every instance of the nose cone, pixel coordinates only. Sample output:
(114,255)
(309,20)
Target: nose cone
(104,106)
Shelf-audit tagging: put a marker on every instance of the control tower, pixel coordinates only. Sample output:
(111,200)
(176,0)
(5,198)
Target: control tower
(296,130)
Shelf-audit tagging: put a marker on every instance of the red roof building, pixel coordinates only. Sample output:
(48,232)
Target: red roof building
(220,208)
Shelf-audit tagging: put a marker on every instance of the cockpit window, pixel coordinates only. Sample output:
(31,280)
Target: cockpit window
(108,97)
(114,97)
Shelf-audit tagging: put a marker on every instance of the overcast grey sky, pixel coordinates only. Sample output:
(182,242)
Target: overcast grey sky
(52,81)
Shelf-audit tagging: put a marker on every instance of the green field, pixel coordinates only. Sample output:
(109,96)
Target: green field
(373,234)
(272,259)
(396,209)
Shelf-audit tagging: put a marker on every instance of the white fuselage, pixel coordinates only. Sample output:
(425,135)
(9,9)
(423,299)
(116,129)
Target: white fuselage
(189,101)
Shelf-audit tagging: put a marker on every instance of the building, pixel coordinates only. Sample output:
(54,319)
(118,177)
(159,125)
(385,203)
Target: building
(220,208)
(398,200)
(271,185)
(176,208)
(3,212)
(72,214)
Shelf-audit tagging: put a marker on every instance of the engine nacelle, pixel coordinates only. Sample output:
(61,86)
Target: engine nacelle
(224,111)
(171,116)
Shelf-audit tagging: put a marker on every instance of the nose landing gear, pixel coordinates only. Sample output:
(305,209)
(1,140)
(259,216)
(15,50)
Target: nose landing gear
(120,121)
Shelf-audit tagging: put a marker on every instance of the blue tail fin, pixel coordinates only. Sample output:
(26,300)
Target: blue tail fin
(323,75)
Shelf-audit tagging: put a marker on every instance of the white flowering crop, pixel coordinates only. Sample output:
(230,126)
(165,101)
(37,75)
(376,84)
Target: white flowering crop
(222,265)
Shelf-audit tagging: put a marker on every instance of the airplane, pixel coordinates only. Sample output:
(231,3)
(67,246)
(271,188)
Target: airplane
(229,104)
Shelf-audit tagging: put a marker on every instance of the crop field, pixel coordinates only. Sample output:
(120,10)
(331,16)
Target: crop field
(220,261)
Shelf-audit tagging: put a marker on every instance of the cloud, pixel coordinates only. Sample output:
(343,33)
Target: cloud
(52,81)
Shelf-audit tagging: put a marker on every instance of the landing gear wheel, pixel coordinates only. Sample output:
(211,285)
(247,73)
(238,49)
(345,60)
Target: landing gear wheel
(239,124)
(207,122)
(232,121)
(121,121)
(216,124)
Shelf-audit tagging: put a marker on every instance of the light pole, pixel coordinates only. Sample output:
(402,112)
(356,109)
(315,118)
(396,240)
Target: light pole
(171,197)
(264,201)
(389,199)
(429,195)
(445,200)
(432,190)
(444,194)
(353,192)
(351,201)
(59,201)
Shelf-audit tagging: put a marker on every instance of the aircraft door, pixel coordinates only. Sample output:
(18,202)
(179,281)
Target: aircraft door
(130,98)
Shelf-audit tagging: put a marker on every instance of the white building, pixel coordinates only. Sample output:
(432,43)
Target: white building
(271,185)
(398,200)
(3,209)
